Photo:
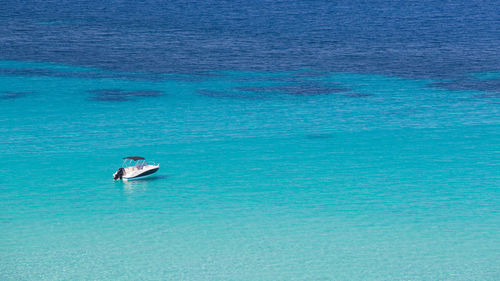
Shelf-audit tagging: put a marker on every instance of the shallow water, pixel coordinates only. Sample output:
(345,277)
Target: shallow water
(400,182)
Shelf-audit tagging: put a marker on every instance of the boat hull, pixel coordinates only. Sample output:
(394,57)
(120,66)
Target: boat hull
(142,175)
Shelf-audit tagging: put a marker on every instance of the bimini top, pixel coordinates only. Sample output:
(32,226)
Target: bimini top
(135,158)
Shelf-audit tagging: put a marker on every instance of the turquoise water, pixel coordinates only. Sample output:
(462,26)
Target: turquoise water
(299,175)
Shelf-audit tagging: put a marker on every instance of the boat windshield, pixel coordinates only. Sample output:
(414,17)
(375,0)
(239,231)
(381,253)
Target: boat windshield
(138,163)
(130,162)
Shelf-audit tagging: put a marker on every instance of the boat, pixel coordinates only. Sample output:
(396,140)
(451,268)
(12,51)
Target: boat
(135,167)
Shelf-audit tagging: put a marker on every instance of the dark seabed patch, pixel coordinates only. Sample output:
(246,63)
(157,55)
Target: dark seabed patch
(13,95)
(309,90)
(358,95)
(122,95)
(255,89)
(467,84)
(319,136)
(490,88)
(295,89)
(223,94)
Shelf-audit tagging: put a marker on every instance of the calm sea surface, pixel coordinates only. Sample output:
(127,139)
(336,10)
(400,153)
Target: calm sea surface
(298,140)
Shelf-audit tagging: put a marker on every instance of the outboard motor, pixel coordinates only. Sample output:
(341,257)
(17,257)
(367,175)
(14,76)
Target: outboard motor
(119,174)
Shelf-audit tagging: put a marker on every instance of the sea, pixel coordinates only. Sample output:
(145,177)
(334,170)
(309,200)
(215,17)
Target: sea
(298,140)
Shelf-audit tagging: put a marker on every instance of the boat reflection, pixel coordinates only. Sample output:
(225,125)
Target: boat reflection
(131,186)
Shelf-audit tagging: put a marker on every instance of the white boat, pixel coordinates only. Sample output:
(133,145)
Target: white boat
(135,167)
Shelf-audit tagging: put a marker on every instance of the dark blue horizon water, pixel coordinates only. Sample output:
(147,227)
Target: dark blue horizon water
(298,140)
(414,39)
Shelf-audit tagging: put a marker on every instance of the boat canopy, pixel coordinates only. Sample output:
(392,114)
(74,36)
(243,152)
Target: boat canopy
(135,158)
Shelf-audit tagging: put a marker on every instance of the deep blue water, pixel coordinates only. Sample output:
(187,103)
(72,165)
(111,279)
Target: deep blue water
(405,38)
(299,140)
